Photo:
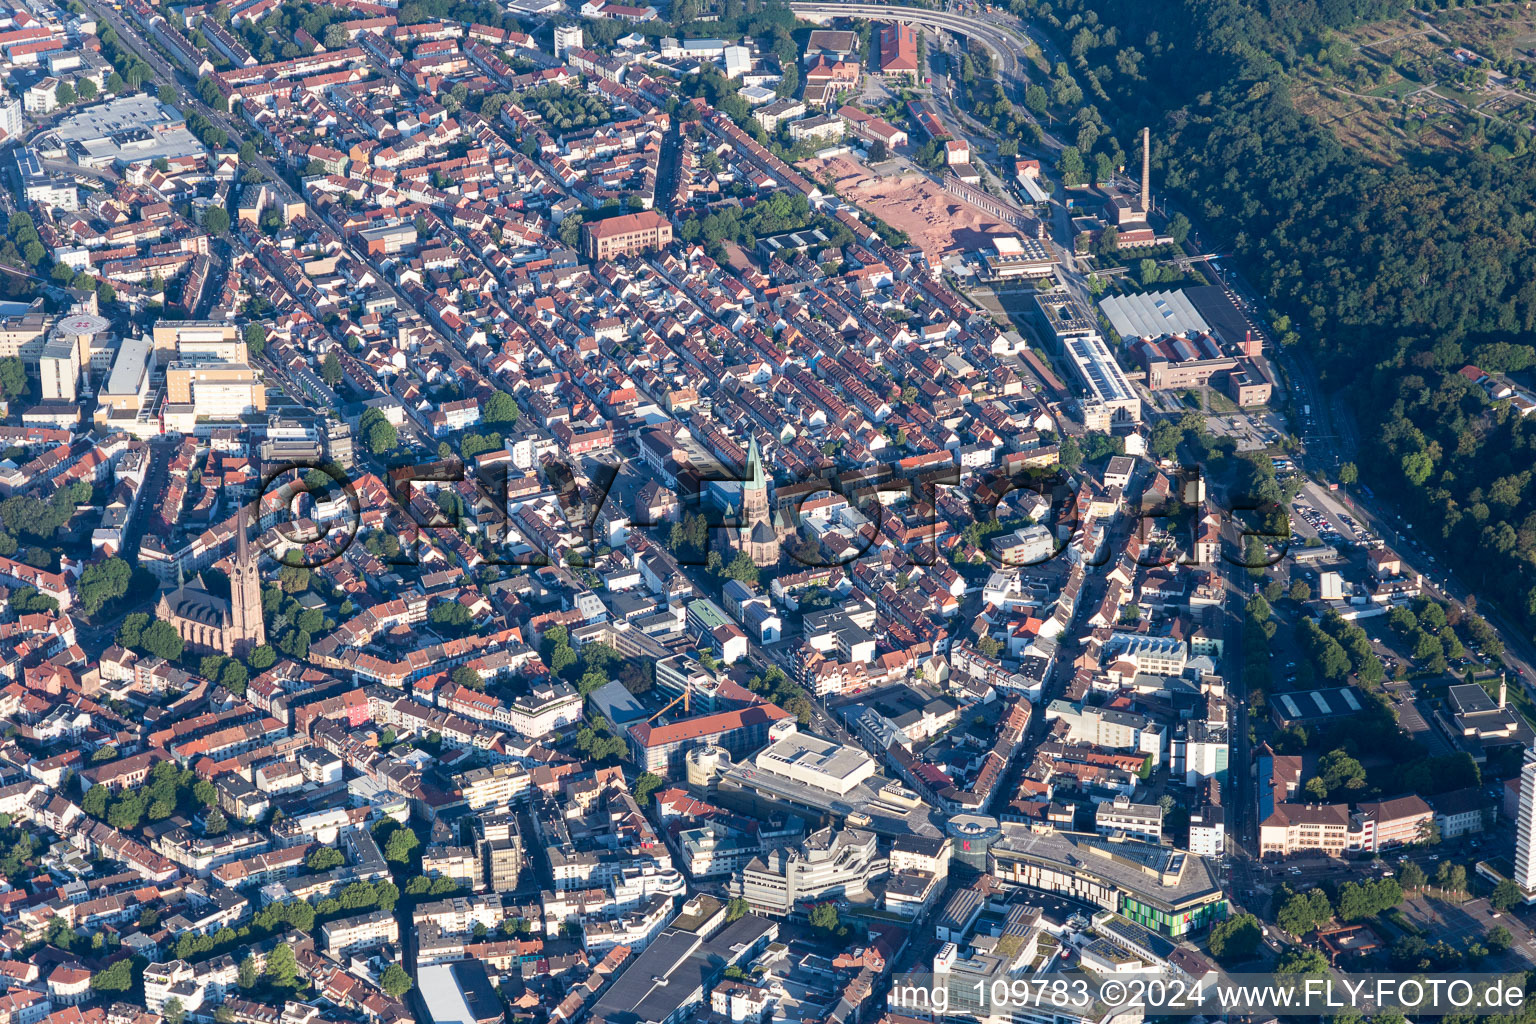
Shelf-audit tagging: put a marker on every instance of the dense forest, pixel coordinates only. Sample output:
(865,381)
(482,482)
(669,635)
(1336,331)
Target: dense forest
(1394,277)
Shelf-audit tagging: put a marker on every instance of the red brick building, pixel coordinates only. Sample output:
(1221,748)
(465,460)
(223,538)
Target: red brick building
(624,236)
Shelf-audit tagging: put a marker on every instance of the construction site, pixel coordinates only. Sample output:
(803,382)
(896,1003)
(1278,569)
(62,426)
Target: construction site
(938,221)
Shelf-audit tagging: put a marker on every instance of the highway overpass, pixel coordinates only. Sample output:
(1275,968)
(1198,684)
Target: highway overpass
(1007,48)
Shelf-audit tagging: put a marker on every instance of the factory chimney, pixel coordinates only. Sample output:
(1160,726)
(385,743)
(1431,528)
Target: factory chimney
(1146,170)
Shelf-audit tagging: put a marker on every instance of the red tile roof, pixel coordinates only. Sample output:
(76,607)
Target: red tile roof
(707,725)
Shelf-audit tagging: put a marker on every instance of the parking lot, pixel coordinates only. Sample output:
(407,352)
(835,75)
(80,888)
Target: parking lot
(1458,922)
(1326,519)
(1252,431)
(1413,715)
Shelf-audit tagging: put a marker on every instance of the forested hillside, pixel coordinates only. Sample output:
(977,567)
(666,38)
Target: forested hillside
(1395,276)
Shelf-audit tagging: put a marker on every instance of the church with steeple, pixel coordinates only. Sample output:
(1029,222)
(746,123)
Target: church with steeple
(207,622)
(756,535)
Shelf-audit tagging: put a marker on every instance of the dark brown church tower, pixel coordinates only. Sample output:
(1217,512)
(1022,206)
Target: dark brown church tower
(246,623)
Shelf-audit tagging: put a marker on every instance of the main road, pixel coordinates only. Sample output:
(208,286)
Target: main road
(1006,45)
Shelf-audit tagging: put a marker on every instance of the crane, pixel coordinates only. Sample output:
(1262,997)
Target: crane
(684,697)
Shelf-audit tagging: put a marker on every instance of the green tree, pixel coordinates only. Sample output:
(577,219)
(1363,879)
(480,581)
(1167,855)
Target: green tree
(87,89)
(1178,228)
(114,979)
(1452,877)
(736,909)
(174,1012)
(65,94)
(1305,912)
(1358,901)
(742,568)
(468,678)
(500,409)
(1299,961)
(282,967)
(167,95)
(824,917)
(13,377)
(395,981)
(401,846)
(330,369)
(162,640)
(450,615)
(324,858)
(95,801)
(1505,896)
(1236,939)
(378,433)
(1258,608)
(1340,772)
(105,581)
(1070,165)
(1070,454)
(645,785)
(1417,467)
(255,339)
(250,972)
(216,220)
(234,677)
(1427,647)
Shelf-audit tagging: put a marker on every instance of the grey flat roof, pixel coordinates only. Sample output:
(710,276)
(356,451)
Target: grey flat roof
(1470,698)
(657,973)
(674,966)
(119,115)
(807,750)
(617,704)
(1126,867)
(864,798)
(440,992)
(1326,703)
(1153,315)
(128,367)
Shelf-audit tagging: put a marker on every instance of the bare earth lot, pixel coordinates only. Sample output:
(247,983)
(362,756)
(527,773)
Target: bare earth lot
(936,221)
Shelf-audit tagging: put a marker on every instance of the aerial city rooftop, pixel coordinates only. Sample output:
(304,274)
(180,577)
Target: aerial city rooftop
(574,512)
